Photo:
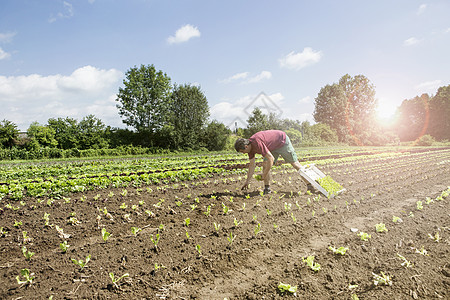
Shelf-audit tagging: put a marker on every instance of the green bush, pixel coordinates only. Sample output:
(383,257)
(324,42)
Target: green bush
(425,140)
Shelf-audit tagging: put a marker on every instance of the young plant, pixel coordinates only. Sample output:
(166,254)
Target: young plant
(283,287)
(217,227)
(208,211)
(231,238)
(435,238)
(340,250)
(381,227)
(46,218)
(28,277)
(155,240)
(237,223)
(199,249)
(82,263)
(187,221)
(396,219)
(64,246)
(405,262)
(105,234)
(364,236)
(419,205)
(310,263)
(135,230)
(257,229)
(27,254)
(116,280)
(382,279)
(225,209)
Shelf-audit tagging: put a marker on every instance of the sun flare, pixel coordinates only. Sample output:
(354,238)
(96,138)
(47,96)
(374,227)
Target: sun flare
(386,111)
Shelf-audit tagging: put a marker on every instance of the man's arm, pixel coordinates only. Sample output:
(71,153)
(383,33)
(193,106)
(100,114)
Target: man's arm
(251,170)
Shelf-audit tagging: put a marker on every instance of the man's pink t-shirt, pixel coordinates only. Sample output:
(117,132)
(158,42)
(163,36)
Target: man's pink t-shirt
(266,141)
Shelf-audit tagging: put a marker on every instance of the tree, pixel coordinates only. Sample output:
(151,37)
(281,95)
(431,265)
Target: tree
(66,131)
(144,99)
(189,114)
(439,126)
(92,133)
(215,136)
(257,121)
(331,109)
(41,136)
(323,132)
(8,133)
(348,107)
(413,117)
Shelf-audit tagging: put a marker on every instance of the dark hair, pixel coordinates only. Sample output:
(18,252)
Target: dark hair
(240,144)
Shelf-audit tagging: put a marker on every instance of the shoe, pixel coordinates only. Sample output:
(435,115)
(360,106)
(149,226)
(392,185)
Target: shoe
(267,191)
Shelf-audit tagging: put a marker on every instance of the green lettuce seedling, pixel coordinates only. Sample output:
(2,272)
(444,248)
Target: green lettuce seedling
(381,227)
(27,254)
(340,250)
(283,287)
(310,263)
(364,236)
(82,263)
(28,277)
(115,280)
(381,280)
(105,234)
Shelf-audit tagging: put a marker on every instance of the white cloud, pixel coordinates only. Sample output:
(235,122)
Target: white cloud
(3,54)
(429,86)
(243,77)
(237,76)
(184,34)
(66,13)
(305,100)
(88,90)
(421,9)
(300,60)
(411,41)
(6,37)
(261,76)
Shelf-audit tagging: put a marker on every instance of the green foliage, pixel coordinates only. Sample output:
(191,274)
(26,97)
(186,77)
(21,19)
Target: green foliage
(8,133)
(310,263)
(283,287)
(189,112)
(329,184)
(439,126)
(144,100)
(426,140)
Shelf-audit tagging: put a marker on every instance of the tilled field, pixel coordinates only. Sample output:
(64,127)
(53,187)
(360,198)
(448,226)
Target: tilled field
(207,239)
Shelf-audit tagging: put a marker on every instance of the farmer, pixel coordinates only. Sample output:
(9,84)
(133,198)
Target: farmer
(270,144)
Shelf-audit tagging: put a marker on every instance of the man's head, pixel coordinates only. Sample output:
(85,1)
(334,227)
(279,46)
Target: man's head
(243,145)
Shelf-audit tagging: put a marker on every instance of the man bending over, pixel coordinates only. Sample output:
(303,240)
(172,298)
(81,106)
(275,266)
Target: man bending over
(270,144)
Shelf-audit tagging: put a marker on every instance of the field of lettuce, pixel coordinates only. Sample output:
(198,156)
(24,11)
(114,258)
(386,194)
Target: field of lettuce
(180,227)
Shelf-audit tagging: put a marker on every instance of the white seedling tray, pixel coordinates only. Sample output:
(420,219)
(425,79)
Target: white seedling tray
(312,173)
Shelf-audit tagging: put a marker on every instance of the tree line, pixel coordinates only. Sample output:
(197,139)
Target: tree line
(163,115)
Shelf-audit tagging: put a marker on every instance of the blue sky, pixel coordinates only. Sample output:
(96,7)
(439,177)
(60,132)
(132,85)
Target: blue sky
(62,58)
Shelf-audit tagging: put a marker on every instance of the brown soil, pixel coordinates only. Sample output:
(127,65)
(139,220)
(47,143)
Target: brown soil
(253,265)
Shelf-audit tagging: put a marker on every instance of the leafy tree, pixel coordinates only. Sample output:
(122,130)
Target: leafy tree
(413,117)
(41,136)
(92,133)
(323,132)
(215,136)
(439,125)
(66,131)
(190,112)
(257,121)
(144,99)
(331,109)
(348,107)
(8,133)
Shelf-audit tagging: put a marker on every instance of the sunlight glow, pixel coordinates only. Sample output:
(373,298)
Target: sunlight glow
(386,111)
